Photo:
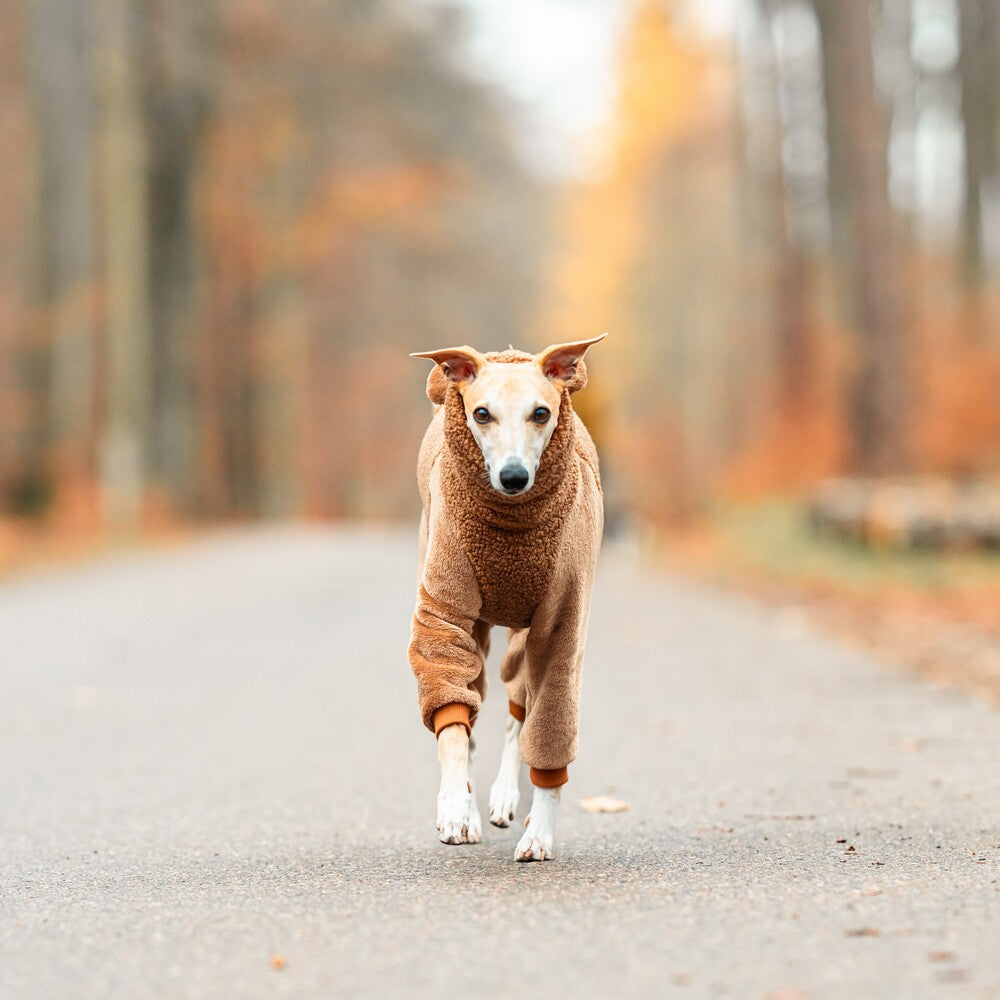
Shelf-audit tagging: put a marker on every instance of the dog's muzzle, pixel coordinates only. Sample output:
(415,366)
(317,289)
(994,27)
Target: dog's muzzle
(513,478)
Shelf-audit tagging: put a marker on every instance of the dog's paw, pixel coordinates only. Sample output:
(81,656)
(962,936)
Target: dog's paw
(454,817)
(504,797)
(536,842)
(534,846)
(475,829)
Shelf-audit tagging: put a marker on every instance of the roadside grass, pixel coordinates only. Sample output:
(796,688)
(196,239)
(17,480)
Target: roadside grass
(935,613)
(776,538)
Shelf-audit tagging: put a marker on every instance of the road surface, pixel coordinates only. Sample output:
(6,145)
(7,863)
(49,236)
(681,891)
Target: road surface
(215,784)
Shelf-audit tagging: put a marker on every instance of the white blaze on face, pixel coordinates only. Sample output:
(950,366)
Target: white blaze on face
(512,410)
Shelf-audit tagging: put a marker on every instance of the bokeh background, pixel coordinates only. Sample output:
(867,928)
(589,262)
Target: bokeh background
(224,225)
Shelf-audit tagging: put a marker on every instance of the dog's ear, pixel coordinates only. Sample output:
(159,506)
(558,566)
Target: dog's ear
(455,365)
(563,363)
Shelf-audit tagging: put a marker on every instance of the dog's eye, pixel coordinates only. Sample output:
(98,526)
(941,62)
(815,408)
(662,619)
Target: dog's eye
(541,415)
(481,415)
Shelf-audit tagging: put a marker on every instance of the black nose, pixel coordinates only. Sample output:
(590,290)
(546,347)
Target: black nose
(513,478)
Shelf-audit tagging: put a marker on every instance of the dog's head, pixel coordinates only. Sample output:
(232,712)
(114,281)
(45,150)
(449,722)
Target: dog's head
(511,409)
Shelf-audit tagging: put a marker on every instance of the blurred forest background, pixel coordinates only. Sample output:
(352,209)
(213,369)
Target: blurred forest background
(224,224)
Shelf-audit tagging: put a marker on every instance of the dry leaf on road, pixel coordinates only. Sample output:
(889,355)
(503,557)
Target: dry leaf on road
(603,804)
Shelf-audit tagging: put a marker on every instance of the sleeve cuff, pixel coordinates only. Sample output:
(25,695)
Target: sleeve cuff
(516,710)
(451,715)
(554,778)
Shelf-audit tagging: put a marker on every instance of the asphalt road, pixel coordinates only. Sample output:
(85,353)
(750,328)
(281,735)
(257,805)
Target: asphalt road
(213,765)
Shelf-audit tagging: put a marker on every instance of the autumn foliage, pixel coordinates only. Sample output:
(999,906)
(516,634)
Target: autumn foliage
(739,345)
(314,191)
(224,225)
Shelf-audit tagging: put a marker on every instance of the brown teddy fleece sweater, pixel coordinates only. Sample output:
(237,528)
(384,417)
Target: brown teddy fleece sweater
(524,562)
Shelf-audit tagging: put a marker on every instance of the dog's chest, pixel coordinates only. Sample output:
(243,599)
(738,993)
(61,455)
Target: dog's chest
(513,571)
(513,552)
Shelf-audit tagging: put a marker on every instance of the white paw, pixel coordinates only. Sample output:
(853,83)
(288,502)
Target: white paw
(504,797)
(454,816)
(475,834)
(536,842)
(533,848)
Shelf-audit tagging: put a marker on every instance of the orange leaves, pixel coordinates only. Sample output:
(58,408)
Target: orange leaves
(794,453)
(957,419)
(647,256)
(663,88)
(395,196)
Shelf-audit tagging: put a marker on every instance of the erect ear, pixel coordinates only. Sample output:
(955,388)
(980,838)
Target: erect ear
(563,363)
(456,365)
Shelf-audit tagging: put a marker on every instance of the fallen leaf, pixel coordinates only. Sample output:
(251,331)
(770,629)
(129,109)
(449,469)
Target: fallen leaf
(871,772)
(772,816)
(278,962)
(941,956)
(952,976)
(603,804)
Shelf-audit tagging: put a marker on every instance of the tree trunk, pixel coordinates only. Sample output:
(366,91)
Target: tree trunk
(979,69)
(871,272)
(178,94)
(794,351)
(281,333)
(834,66)
(61,45)
(126,261)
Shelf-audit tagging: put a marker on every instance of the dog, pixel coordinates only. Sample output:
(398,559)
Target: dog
(510,531)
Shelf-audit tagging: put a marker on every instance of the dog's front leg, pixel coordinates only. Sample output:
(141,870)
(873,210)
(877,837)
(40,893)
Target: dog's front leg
(504,795)
(536,842)
(458,820)
(475,820)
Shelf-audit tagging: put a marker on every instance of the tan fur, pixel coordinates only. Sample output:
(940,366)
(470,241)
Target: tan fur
(525,562)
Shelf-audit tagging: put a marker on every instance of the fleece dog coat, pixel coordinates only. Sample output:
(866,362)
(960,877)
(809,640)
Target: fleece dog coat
(525,562)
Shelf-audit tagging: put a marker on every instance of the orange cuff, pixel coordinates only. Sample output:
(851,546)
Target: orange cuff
(549,779)
(451,715)
(516,710)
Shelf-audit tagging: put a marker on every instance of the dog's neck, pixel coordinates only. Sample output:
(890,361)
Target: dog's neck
(554,479)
